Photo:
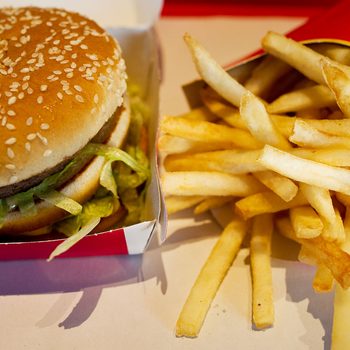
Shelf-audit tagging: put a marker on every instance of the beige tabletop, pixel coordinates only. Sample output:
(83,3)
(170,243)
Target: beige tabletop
(132,302)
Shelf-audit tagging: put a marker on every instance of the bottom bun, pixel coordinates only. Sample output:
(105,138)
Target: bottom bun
(80,188)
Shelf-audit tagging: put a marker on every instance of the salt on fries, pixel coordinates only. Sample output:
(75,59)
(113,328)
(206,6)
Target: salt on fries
(276,147)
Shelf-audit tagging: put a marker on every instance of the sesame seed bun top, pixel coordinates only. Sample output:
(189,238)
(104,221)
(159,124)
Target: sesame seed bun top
(62,77)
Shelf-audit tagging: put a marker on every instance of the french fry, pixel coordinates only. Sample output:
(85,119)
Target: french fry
(299,56)
(305,135)
(228,161)
(254,114)
(168,144)
(317,96)
(338,81)
(266,202)
(320,199)
(327,253)
(306,256)
(341,324)
(337,127)
(305,221)
(213,74)
(265,75)
(312,113)
(335,156)
(231,115)
(209,279)
(343,198)
(195,183)
(260,262)
(178,203)
(323,280)
(296,165)
(304,170)
(337,53)
(281,185)
(211,203)
(226,112)
(199,130)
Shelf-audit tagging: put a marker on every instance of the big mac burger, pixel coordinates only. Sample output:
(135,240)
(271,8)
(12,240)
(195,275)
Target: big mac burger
(70,159)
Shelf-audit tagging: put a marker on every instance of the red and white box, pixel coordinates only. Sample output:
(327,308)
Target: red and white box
(131,22)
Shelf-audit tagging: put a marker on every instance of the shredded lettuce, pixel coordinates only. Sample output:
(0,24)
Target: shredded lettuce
(3,211)
(95,208)
(25,201)
(107,179)
(70,241)
(61,201)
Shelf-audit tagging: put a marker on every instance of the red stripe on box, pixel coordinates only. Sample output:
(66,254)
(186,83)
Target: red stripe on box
(107,243)
(297,8)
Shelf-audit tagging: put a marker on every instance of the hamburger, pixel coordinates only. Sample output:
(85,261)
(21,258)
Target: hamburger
(70,155)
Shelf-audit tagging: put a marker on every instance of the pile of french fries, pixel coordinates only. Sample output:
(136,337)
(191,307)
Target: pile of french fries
(276,146)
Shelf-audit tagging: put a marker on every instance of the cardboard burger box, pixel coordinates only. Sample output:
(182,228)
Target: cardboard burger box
(131,22)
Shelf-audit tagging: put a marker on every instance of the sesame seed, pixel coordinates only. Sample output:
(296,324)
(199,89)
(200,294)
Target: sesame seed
(13,179)
(10,166)
(10,126)
(78,88)
(44,126)
(69,75)
(11,113)
(60,95)
(43,88)
(47,153)
(29,121)
(42,138)
(8,93)
(40,100)
(31,137)
(25,70)
(57,72)
(83,47)
(27,146)
(10,141)
(56,42)
(26,78)
(30,91)
(10,153)
(96,98)
(21,95)
(79,98)
(12,100)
